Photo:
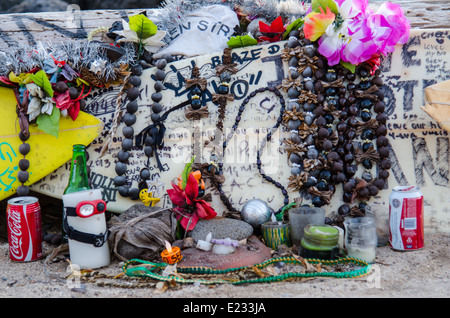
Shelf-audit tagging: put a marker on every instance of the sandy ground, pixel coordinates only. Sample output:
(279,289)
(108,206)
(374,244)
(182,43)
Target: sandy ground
(422,273)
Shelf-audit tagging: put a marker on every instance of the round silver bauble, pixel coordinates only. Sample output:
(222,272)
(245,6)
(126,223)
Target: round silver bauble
(255,212)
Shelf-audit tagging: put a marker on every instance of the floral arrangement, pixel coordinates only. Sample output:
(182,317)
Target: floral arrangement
(349,32)
(188,207)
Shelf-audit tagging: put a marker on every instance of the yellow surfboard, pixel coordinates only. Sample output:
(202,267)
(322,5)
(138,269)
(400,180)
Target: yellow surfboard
(47,153)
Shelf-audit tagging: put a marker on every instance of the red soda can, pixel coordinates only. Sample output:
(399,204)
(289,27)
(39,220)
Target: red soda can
(406,218)
(23,215)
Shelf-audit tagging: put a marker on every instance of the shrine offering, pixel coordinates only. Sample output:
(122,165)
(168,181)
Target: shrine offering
(276,233)
(23,215)
(406,228)
(320,241)
(361,238)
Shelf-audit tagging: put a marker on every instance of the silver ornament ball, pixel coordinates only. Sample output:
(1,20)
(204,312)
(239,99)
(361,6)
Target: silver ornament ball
(255,212)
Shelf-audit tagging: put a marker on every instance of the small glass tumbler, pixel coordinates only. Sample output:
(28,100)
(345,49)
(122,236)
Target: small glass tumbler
(361,238)
(380,212)
(276,233)
(301,217)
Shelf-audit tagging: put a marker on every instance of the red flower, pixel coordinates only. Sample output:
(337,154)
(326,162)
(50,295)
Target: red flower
(272,32)
(374,62)
(187,206)
(64,102)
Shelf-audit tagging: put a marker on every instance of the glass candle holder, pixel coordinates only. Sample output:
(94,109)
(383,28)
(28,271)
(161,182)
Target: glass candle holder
(319,241)
(301,217)
(361,238)
(380,212)
(276,233)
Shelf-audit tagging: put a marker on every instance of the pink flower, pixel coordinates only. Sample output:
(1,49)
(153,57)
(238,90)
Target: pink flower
(356,34)
(390,26)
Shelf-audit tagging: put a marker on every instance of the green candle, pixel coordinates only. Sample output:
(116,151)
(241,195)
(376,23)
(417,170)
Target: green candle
(320,241)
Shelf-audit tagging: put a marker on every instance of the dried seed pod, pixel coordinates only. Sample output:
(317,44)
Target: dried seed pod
(379,183)
(23,176)
(381,131)
(24,164)
(24,149)
(133,93)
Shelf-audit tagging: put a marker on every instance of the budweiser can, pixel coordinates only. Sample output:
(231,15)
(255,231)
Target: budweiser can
(23,215)
(406,230)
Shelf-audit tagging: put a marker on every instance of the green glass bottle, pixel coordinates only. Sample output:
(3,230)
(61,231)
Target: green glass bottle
(78,179)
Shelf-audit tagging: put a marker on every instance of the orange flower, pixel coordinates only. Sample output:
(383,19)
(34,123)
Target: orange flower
(317,23)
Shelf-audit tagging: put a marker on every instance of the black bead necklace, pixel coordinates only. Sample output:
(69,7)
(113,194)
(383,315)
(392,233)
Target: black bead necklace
(24,148)
(326,130)
(268,137)
(129,119)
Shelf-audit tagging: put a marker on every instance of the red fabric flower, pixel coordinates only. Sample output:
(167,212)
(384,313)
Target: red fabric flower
(374,62)
(187,206)
(64,102)
(272,32)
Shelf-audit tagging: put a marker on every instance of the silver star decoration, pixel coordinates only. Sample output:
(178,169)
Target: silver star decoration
(98,66)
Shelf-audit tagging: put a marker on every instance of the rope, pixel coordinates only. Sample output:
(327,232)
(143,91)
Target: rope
(148,271)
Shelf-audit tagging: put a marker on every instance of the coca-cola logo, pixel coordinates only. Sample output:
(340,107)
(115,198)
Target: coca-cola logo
(15,234)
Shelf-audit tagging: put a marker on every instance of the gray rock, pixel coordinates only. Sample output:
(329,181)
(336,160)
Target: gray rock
(39,6)
(221,228)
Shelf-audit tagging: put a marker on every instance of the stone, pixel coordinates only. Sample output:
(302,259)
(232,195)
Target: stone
(254,252)
(39,6)
(221,228)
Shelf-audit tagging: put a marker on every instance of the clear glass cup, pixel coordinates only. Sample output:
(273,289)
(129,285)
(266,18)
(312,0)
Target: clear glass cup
(301,217)
(380,211)
(361,238)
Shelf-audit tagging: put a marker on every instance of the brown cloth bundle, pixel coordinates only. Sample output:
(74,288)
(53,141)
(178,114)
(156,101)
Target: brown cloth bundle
(141,232)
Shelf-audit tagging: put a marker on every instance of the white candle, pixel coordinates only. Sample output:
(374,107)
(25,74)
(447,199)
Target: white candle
(366,254)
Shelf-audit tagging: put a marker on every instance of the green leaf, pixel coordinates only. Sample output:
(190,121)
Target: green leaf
(49,123)
(348,66)
(324,4)
(187,170)
(297,24)
(143,26)
(41,79)
(242,41)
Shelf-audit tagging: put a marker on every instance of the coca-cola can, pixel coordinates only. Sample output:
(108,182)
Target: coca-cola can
(406,226)
(23,215)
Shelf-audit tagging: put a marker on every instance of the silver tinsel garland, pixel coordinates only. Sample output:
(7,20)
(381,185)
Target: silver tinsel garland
(79,54)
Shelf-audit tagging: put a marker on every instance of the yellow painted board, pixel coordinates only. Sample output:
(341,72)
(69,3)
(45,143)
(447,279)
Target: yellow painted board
(47,153)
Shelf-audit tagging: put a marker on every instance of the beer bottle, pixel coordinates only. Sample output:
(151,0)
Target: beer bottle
(78,179)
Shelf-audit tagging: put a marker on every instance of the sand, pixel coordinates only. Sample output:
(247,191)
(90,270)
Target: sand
(422,273)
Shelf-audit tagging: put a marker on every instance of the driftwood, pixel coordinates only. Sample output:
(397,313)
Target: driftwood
(30,28)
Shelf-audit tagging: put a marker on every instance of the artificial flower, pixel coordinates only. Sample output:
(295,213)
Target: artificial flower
(34,108)
(39,103)
(67,105)
(390,16)
(272,32)
(152,44)
(355,34)
(317,23)
(188,208)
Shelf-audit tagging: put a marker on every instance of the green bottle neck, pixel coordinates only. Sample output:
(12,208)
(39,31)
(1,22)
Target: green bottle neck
(78,179)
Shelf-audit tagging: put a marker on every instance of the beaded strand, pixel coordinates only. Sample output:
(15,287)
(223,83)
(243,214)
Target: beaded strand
(268,137)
